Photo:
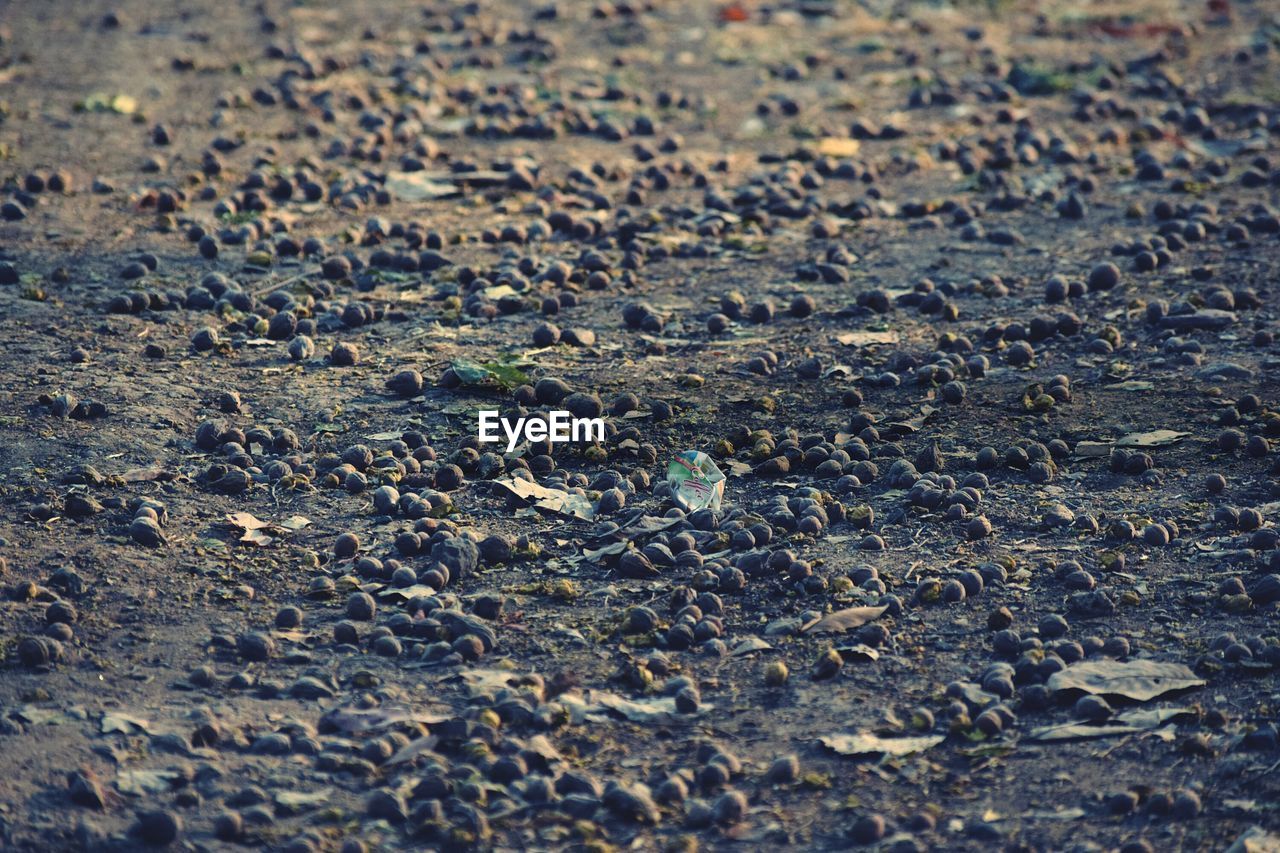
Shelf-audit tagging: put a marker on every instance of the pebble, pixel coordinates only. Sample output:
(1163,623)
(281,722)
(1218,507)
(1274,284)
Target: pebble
(85,789)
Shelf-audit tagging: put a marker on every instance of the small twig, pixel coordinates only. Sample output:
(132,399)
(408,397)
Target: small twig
(1270,769)
(278,284)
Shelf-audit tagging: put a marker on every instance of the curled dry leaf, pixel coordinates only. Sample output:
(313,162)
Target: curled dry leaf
(356,720)
(1129,722)
(858,652)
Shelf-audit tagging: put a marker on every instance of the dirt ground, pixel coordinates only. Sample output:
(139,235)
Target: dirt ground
(974,304)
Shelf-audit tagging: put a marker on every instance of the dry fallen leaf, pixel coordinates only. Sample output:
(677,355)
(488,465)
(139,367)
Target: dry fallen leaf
(1141,680)
(124,724)
(839,146)
(552,500)
(292,801)
(844,620)
(258,536)
(1093,449)
(259,532)
(866,743)
(145,475)
(140,783)
(1255,839)
(246,521)
(1129,722)
(597,705)
(357,720)
(416,186)
(1155,438)
(862,339)
(749,646)
(859,652)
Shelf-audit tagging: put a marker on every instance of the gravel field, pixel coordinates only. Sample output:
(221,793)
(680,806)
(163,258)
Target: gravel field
(973,305)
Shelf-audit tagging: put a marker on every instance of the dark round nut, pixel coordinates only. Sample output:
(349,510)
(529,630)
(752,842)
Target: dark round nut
(158,828)
(406,383)
(1053,626)
(762,312)
(344,354)
(361,607)
(978,528)
(802,305)
(35,652)
(828,665)
(1186,804)
(288,617)
(1104,276)
(228,826)
(546,334)
(1123,802)
(1094,709)
(256,646)
(999,619)
(60,612)
(868,829)
(346,545)
(783,771)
